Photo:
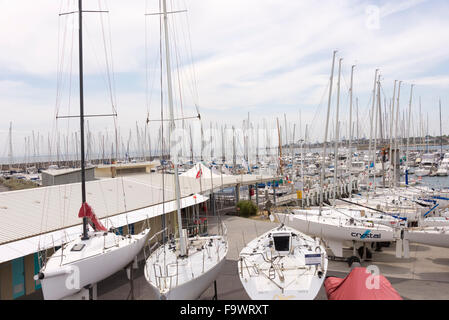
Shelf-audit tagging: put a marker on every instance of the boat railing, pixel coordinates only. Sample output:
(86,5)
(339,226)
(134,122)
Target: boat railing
(320,251)
(44,257)
(204,227)
(154,236)
(248,268)
(163,279)
(272,271)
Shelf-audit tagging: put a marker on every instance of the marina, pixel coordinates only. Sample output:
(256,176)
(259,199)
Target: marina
(426,265)
(343,197)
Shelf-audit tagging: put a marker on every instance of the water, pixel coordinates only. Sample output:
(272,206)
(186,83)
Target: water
(432,182)
(436,182)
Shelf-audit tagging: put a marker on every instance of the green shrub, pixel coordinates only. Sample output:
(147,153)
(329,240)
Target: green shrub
(18,184)
(246,208)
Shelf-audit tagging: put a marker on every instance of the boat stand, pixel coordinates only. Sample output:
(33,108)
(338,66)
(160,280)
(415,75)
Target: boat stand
(335,258)
(365,253)
(129,273)
(215,297)
(91,293)
(354,249)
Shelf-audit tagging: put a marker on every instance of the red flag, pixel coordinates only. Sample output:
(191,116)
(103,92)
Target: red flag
(199,173)
(88,212)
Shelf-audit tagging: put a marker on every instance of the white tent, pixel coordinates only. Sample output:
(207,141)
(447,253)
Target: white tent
(200,170)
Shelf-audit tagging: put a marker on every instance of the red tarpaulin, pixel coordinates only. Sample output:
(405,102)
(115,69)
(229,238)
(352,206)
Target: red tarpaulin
(360,284)
(86,211)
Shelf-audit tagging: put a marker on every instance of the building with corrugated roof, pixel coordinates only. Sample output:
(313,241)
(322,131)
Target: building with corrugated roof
(53,177)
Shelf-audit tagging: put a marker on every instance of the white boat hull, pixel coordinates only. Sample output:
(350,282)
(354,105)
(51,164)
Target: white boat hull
(430,237)
(173,278)
(422,173)
(61,281)
(434,222)
(339,232)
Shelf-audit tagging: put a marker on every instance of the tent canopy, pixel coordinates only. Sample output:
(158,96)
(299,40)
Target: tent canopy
(199,170)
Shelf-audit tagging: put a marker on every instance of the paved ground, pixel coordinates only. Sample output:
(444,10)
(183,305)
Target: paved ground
(425,275)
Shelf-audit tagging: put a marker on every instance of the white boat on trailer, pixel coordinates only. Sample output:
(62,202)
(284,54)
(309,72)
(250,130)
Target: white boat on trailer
(337,229)
(283,264)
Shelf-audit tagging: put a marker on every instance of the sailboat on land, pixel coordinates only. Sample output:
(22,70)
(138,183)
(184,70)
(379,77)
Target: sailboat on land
(184,267)
(336,227)
(432,235)
(283,264)
(96,254)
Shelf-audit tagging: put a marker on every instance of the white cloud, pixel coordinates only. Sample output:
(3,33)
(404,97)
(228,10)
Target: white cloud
(393,7)
(436,81)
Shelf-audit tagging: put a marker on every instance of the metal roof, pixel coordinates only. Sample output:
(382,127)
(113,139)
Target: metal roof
(61,172)
(31,212)
(20,248)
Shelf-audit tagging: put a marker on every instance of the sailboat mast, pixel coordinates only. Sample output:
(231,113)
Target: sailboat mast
(357,116)
(396,158)
(257,145)
(280,148)
(10,157)
(336,130)
(291,151)
(375,128)
(427,134)
(381,132)
(371,126)
(234,156)
(390,155)
(350,130)
(407,160)
(441,133)
(83,165)
(325,132)
(247,140)
(172,128)
(191,144)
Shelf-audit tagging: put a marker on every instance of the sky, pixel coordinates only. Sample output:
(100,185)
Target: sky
(264,59)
